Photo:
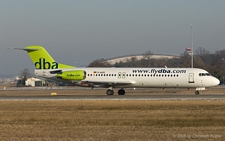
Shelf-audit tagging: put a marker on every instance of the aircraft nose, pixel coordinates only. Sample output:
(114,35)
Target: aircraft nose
(215,82)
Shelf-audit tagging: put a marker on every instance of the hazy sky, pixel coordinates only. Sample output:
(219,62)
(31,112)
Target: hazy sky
(77,32)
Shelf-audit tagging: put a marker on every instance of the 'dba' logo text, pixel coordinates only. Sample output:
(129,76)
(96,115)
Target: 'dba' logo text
(42,64)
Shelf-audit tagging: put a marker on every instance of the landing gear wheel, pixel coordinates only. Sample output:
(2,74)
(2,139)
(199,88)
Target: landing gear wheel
(121,92)
(109,92)
(196,92)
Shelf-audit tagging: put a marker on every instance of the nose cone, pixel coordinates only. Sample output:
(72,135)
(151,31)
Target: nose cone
(215,82)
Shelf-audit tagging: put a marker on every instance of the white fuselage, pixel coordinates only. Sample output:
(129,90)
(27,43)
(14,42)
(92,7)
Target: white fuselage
(141,77)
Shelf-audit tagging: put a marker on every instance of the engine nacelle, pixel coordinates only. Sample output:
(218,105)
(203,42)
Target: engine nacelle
(76,75)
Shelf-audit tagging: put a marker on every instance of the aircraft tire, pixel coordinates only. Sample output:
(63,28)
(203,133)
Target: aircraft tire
(196,92)
(121,92)
(109,92)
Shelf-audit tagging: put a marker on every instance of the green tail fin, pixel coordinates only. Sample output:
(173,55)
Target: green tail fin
(42,59)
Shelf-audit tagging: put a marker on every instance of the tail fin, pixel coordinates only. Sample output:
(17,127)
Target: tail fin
(42,59)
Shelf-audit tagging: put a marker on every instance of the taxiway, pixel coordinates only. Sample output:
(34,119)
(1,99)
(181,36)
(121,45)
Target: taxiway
(118,97)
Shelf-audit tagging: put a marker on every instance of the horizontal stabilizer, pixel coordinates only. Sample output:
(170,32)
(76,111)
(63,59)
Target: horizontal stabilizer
(26,49)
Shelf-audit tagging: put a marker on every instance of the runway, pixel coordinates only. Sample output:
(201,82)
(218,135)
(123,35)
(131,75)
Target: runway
(118,97)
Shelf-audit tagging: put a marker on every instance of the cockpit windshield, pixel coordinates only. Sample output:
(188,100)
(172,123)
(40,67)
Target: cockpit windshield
(208,74)
(204,74)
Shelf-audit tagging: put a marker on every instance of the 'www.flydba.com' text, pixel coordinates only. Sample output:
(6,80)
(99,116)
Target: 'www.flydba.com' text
(159,71)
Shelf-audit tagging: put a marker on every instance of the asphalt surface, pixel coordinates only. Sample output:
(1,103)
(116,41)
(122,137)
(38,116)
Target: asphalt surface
(118,97)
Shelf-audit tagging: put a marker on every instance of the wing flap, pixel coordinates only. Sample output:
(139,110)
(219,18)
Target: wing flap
(110,83)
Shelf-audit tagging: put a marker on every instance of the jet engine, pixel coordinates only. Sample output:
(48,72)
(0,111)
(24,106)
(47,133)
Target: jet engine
(76,75)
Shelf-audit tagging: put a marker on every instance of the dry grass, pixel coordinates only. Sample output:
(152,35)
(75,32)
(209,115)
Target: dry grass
(112,120)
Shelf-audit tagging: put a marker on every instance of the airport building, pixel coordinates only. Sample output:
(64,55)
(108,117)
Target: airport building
(139,57)
(34,82)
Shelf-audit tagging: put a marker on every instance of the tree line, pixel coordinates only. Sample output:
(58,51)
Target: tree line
(214,63)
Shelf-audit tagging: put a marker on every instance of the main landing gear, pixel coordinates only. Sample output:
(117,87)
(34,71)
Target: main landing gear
(121,92)
(111,92)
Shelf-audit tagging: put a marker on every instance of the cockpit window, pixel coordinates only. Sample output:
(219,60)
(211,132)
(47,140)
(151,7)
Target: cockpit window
(204,74)
(208,74)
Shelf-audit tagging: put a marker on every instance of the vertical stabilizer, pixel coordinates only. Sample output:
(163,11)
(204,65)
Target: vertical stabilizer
(42,59)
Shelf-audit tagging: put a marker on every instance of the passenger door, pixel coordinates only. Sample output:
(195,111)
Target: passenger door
(191,78)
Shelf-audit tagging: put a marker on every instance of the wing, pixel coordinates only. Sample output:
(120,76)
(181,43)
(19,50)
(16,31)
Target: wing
(110,83)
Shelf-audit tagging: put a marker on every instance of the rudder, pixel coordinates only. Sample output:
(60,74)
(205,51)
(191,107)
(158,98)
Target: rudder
(42,59)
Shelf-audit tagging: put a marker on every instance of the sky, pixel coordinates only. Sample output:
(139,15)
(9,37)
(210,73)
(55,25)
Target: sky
(77,32)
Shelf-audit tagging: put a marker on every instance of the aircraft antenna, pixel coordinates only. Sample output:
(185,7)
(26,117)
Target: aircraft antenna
(192,50)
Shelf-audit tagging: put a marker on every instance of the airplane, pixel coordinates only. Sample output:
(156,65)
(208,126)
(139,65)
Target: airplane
(47,67)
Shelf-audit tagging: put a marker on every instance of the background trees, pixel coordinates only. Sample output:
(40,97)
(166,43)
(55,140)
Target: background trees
(24,74)
(100,63)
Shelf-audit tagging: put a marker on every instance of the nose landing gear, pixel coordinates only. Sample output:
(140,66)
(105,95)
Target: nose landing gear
(196,92)
(199,89)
